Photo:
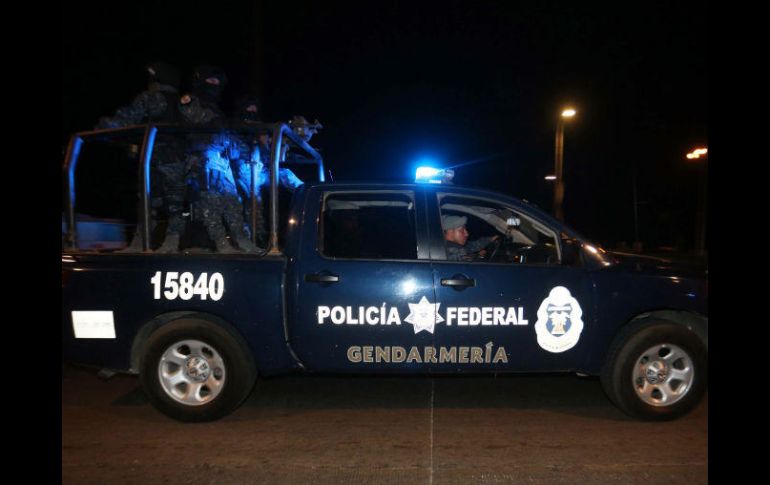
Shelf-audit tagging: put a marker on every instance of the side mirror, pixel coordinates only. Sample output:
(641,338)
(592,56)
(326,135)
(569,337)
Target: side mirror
(570,251)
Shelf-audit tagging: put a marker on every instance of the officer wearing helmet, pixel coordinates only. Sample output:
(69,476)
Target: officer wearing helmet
(209,161)
(247,108)
(158,103)
(201,106)
(255,156)
(253,150)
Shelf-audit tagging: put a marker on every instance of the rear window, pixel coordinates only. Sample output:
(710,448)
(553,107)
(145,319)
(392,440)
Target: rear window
(369,225)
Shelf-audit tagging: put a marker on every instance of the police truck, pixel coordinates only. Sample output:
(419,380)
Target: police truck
(355,278)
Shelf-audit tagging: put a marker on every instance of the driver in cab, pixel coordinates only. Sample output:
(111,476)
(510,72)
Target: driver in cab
(456,239)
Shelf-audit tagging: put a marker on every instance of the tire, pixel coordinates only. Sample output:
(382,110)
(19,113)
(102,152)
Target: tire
(194,370)
(657,371)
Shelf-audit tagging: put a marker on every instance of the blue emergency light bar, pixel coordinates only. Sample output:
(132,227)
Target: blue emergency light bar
(430,175)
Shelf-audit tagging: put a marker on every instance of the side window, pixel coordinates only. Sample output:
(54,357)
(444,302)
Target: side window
(369,225)
(478,230)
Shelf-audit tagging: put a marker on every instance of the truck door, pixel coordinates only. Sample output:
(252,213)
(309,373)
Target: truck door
(525,307)
(363,287)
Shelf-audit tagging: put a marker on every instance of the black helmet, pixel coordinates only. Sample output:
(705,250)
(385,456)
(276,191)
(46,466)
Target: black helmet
(208,82)
(202,73)
(247,108)
(163,73)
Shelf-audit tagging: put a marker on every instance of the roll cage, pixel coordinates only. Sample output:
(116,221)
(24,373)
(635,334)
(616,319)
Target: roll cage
(283,139)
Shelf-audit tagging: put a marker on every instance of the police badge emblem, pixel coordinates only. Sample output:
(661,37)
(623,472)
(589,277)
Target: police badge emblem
(559,322)
(424,315)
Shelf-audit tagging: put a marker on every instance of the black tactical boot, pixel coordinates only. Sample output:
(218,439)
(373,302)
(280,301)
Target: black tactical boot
(135,246)
(170,244)
(224,247)
(245,244)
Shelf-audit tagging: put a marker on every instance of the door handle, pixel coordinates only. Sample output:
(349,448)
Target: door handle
(458,282)
(322,278)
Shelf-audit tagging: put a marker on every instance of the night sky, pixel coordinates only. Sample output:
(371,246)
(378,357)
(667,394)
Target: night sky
(393,82)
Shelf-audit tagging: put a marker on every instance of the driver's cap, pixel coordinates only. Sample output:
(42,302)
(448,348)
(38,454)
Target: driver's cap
(453,222)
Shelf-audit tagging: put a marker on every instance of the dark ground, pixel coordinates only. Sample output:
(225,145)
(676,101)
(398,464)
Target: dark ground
(325,430)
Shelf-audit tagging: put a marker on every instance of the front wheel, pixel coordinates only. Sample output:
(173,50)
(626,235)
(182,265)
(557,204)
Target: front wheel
(194,370)
(658,372)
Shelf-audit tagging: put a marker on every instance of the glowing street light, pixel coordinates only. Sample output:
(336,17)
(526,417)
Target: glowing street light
(550,177)
(700,225)
(558,187)
(697,153)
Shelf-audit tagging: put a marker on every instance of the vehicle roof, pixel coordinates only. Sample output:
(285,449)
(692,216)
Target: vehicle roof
(423,186)
(479,191)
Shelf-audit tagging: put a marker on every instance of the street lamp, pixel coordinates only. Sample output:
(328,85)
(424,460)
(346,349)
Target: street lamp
(558,188)
(697,153)
(700,224)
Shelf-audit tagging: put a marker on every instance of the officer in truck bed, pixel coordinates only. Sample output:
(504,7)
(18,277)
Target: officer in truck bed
(209,158)
(159,103)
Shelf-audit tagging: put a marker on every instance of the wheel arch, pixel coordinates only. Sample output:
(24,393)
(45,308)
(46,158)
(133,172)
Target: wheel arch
(696,323)
(675,324)
(138,346)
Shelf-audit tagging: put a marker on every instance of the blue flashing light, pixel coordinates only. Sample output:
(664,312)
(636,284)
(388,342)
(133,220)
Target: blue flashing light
(424,174)
(430,175)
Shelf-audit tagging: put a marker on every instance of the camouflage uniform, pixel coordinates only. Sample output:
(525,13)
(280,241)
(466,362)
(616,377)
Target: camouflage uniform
(172,168)
(219,200)
(209,159)
(469,252)
(257,157)
(158,104)
(250,158)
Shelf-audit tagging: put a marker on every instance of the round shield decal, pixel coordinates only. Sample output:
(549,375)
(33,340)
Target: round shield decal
(559,321)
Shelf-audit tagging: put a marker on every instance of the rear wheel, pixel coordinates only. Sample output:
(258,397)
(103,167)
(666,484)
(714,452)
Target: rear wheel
(193,370)
(656,372)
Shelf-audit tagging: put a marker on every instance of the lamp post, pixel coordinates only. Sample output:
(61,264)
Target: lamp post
(700,224)
(558,188)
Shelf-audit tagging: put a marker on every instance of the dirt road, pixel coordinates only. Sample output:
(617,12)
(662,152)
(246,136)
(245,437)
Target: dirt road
(327,430)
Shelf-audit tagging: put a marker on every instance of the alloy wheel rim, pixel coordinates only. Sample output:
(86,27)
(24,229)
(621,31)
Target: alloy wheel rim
(191,372)
(663,375)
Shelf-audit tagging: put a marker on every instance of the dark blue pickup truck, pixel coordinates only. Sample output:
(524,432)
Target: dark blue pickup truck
(357,279)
